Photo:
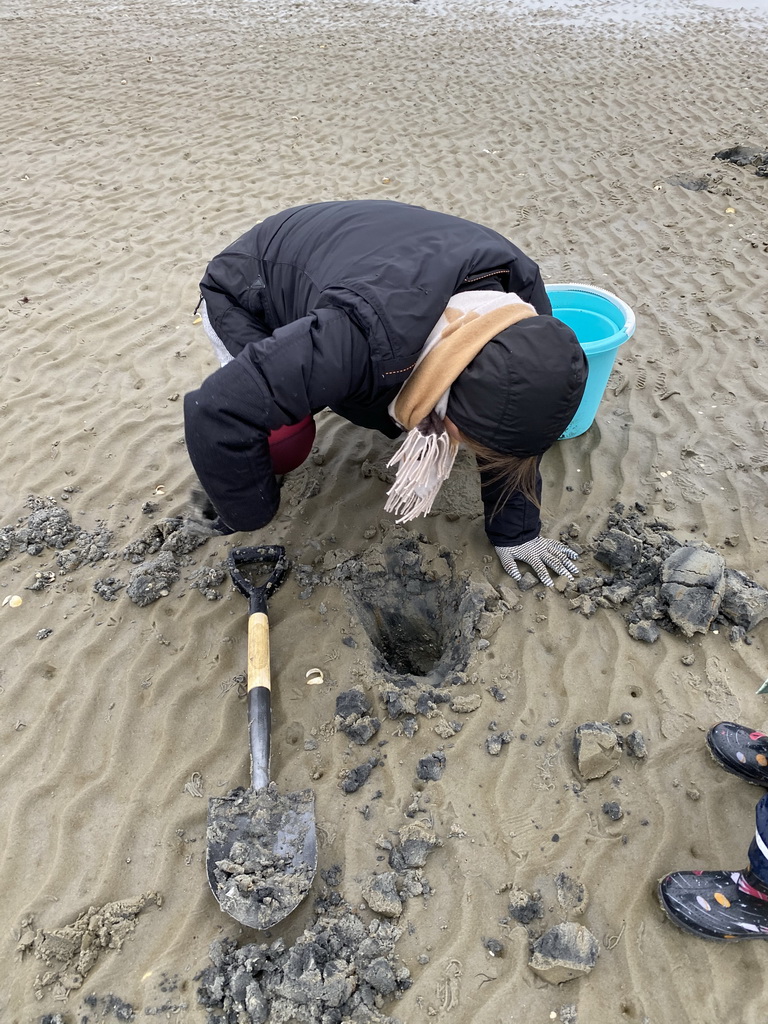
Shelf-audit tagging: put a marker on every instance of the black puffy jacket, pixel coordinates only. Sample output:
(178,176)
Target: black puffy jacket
(328,306)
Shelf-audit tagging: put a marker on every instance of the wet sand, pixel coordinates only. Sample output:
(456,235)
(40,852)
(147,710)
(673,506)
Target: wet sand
(142,138)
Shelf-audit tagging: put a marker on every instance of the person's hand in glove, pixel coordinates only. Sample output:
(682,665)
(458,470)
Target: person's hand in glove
(540,554)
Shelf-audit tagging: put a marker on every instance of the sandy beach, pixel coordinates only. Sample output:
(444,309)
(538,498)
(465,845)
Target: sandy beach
(139,140)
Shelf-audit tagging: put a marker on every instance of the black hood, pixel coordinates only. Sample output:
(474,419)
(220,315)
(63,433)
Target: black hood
(521,391)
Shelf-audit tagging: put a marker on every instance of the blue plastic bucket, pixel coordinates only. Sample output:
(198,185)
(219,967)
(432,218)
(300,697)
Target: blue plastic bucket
(601,321)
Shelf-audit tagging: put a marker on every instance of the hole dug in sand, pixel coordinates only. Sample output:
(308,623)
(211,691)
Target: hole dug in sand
(418,617)
(405,637)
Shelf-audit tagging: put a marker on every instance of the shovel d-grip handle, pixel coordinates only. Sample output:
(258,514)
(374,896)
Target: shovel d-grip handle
(259,698)
(266,555)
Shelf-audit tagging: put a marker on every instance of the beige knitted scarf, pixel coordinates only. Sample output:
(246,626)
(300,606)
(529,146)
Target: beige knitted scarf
(427,454)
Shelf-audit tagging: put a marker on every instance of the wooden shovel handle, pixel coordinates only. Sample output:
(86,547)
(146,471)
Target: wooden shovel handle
(259,698)
(258,651)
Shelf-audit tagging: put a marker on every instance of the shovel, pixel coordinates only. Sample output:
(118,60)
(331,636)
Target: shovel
(262,846)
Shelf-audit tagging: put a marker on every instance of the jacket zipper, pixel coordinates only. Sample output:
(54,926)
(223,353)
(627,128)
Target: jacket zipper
(473,278)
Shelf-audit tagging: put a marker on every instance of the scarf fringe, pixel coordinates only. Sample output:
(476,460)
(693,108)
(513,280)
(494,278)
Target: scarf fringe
(425,460)
(427,454)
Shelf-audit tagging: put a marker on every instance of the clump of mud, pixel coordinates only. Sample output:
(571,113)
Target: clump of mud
(70,953)
(354,778)
(338,970)
(50,527)
(567,951)
(262,852)
(561,896)
(176,534)
(172,540)
(207,579)
(524,906)
(386,891)
(746,156)
(354,716)
(108,588)
(153,579)
(661,583)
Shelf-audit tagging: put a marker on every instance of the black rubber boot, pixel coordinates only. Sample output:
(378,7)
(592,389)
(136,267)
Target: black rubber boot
(721,906)
(741,751)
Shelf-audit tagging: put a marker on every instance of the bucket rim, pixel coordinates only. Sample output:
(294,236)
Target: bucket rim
(580,286)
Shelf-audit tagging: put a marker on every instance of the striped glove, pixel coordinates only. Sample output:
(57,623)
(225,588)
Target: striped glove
(540,554)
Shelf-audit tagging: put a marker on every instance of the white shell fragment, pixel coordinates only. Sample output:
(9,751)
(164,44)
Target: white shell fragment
(314,677)
(14,601)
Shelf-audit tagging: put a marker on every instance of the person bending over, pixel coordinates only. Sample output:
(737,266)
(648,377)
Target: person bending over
(412,322)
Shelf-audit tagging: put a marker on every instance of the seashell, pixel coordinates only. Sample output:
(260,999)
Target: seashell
(314,677)
(13,600)
(160,489)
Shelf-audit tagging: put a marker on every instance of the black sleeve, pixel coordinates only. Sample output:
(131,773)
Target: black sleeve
(226,434)
(303,367)
(515,520)
(234,292)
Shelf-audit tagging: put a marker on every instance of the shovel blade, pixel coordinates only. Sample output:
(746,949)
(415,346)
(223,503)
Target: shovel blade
(262,853)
